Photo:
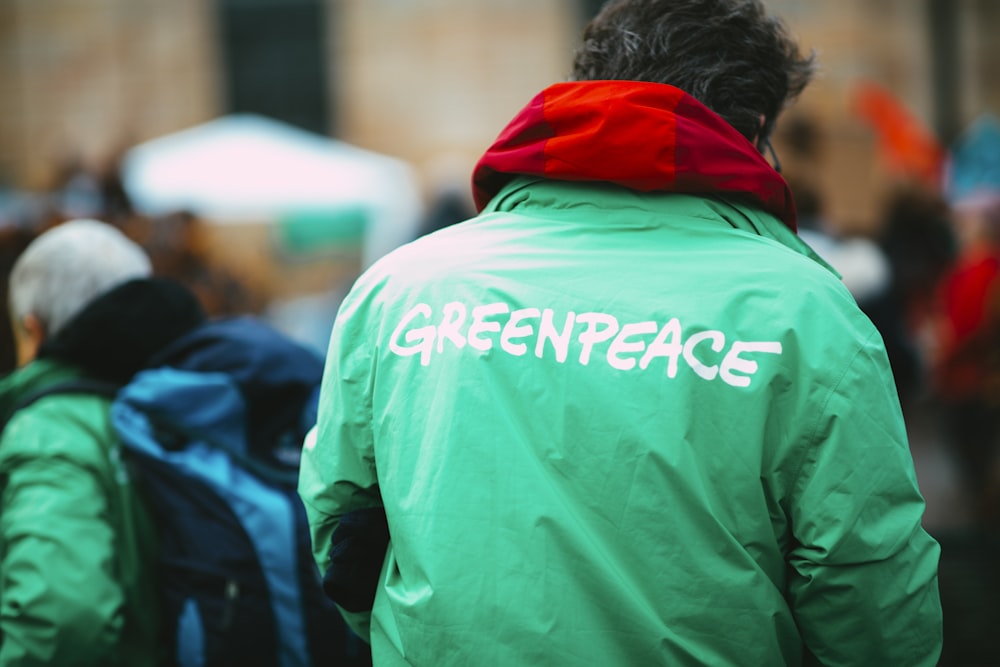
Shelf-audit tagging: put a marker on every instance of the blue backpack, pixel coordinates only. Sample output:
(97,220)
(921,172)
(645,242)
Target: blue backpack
(212,432)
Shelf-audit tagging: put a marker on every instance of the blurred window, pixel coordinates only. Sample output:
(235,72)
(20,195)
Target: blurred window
(274,60)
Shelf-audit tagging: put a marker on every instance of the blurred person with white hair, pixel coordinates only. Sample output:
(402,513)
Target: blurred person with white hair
(76,541)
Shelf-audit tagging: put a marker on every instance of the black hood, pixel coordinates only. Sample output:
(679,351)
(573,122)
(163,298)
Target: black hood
(276,375)
(117,334)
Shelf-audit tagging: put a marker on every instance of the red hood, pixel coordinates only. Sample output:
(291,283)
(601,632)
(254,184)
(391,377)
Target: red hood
(644,136)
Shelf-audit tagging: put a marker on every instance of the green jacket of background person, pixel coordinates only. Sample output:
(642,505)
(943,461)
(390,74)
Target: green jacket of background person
(78,546)
(77,550)
(621,427)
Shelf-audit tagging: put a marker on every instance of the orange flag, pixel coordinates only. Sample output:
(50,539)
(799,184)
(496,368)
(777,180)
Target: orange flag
(907,146)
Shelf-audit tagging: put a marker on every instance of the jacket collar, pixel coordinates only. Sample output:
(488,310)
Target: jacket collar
(32,377)
(643,136)
(118,333)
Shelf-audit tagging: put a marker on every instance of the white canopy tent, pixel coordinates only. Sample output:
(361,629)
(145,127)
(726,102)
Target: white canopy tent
(246,167)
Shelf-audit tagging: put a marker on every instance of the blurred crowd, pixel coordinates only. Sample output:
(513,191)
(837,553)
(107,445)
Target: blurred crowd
(927,276)
(929,279)
(175,242)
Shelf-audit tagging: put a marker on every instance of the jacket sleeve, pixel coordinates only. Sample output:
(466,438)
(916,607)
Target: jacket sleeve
(60,603)
(863,580)
(337,474)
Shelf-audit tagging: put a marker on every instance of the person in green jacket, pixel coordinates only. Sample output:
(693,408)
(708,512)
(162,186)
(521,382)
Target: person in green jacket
(77,545)
(625,416)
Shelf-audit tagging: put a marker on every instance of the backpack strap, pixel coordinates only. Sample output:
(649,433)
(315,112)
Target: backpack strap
(74,386)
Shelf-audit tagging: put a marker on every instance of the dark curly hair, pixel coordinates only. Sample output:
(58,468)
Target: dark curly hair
(728,54)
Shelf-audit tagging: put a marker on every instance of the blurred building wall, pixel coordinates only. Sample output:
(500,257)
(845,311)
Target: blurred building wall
(433,81)
(941,60)
(877,40)
(424,79)
(82,79)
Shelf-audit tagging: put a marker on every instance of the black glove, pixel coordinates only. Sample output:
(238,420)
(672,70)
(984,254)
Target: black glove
(357,550)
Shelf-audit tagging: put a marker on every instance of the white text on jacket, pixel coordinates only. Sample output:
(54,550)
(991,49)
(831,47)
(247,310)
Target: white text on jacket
(628,346)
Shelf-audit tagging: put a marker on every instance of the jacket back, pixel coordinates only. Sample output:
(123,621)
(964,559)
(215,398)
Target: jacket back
(612,427)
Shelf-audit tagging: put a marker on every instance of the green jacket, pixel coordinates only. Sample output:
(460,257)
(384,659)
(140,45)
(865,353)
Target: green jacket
(614,427)
(76,545)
